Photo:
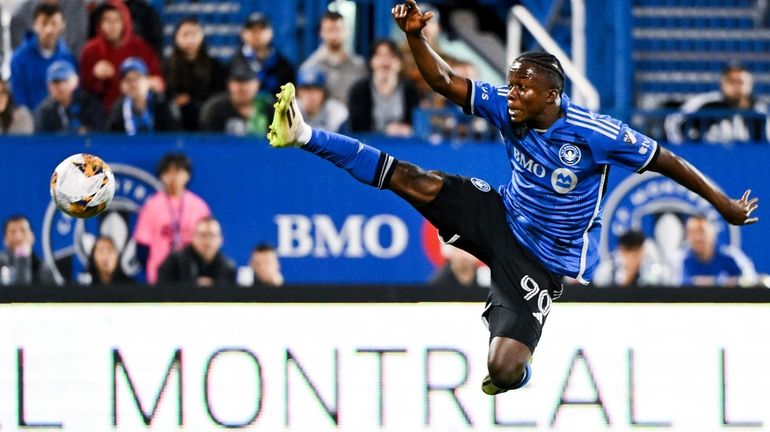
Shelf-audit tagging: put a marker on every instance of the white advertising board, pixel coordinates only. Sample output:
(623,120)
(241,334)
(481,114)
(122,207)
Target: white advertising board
(367,367)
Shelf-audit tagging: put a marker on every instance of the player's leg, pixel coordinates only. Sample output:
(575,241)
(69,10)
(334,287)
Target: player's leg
(365,163)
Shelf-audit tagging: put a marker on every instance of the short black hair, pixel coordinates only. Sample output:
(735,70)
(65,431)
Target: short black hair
(632,239)
(174,160)
(14,218)
(46,9)
(547,63)
(263,247)
(332,15)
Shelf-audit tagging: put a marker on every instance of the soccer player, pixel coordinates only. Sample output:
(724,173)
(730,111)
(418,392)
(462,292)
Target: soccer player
(541,226)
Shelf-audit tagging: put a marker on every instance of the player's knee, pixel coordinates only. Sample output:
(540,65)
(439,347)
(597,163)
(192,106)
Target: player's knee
(416,184)
(505,373)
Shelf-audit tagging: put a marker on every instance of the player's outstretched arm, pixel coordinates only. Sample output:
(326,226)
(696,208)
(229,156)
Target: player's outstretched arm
(736,212)
(437,73)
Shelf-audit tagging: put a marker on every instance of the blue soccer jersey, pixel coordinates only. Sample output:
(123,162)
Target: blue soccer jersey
(558,177)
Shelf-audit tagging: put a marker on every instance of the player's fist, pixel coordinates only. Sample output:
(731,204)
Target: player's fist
(409,18)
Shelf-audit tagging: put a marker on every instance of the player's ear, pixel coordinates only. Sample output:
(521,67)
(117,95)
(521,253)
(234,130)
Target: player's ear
(552,96)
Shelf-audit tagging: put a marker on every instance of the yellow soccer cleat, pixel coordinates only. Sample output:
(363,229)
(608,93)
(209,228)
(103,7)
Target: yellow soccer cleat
(288,125)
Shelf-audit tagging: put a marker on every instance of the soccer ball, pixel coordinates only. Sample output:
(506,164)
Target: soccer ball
(82,185)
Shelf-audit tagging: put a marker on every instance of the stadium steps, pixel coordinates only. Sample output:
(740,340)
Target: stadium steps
(680,46)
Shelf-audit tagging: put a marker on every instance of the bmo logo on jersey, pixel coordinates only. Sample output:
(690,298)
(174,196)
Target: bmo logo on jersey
(528,164)
(380,236)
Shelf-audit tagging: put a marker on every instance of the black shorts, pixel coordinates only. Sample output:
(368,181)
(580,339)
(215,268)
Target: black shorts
(470,215)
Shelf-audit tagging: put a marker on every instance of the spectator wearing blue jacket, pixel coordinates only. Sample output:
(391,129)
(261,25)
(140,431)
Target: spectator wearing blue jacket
(36,54)
(706,264)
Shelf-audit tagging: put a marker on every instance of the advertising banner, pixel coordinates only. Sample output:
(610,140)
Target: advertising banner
(327,227)
(396,367)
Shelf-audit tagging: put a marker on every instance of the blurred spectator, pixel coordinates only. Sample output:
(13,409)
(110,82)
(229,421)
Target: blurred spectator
(75,15)
(192,75)
(104,265)
(318,108)
(383,102)
(18,263)
(202,263)
(140,110)
(167,220)
(105,52)
(241,110)
(257,53)
(144,18)
(341,68)
(706,264)
(265,265)
(636,262)
(461,271)
(14,119)
(68,109)
(41,49)
(729,115)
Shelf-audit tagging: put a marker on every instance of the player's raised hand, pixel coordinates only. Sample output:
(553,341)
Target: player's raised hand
(409,18)
(739,211)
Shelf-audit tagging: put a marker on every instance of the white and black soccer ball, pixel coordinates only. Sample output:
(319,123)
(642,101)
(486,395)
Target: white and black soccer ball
(82,185)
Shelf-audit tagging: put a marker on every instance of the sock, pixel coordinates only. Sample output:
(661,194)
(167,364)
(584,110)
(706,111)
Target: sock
(365,163)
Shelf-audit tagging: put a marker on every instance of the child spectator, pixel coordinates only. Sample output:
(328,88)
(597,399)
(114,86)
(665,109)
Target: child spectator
(104,53)
(167,220)
(104,265)
(40,50)
(192,75)
(140,110)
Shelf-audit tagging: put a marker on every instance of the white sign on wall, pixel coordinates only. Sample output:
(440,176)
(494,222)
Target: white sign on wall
(393,367)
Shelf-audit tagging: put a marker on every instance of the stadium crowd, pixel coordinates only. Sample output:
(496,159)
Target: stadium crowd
(117,80)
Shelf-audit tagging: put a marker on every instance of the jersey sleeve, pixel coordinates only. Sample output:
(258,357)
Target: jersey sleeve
(488,102)
(624,147)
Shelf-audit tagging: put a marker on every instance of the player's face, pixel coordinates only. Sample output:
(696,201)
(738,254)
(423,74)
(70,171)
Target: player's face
(333,33)
(529,95)
(48,29)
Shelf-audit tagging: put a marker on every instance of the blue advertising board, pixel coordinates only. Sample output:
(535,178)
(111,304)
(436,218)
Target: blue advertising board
(327,227)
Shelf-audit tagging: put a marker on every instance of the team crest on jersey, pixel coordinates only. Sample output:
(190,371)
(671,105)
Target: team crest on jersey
(658,207)
(563,180)
(67,241)
(481,184)
(569,154)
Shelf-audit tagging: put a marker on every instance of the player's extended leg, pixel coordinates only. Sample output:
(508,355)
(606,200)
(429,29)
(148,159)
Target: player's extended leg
(508,365)
(366,164)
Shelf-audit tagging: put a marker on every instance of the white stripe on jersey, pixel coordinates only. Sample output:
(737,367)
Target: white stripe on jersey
(384,172)
(592,127)
(604,127)
(584,251)
(588,117)
(473,99)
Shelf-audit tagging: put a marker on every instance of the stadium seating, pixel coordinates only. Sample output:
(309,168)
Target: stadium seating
(680,46)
